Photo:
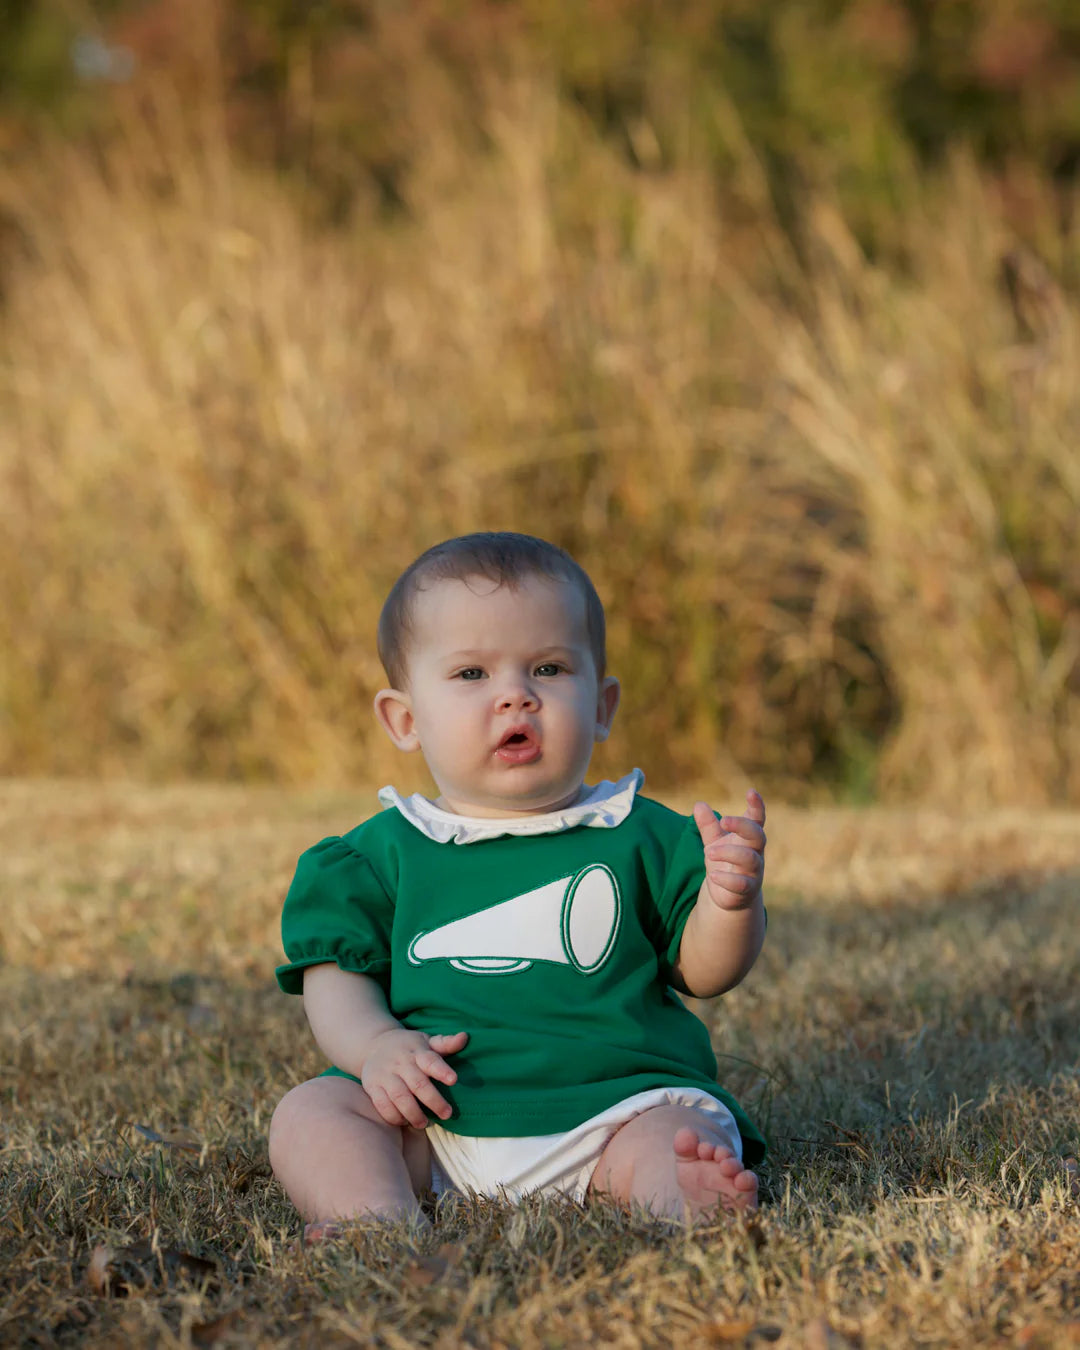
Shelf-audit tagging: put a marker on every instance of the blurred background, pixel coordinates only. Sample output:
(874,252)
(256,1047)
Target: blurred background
(765,309)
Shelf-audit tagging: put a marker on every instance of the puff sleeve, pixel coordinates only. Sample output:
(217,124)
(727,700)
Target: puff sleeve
(684,873)
(336,910)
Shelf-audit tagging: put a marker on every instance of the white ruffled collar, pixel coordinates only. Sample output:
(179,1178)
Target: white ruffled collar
(603,806)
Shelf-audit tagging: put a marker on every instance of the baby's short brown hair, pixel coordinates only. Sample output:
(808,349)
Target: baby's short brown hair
(500,556)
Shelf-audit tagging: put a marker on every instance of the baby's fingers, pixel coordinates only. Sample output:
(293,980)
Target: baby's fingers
(424,1090)
(735,883)
(434,1066)
(709,827)
(396,1105)
(747,829)
(449,1045)
(736,857)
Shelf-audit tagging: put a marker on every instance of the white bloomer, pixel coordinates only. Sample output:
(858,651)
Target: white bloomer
(562,1163)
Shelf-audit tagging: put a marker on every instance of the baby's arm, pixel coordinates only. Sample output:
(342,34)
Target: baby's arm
(725,930)
(356,1031)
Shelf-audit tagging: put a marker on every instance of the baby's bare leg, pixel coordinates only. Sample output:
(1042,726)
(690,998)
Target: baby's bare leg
(676,1162)
(338,1159)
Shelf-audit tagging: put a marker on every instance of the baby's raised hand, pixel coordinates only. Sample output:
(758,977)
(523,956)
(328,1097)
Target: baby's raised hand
(398,1070)
(734,853)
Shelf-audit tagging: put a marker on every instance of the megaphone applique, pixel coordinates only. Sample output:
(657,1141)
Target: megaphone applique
(571,922)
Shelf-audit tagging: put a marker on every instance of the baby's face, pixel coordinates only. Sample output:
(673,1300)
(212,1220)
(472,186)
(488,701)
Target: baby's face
(503,697)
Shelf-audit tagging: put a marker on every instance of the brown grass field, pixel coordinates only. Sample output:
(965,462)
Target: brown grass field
(910,1039)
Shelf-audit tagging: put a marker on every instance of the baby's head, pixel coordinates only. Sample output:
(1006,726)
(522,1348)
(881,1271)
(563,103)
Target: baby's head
(494,646)
(501,558)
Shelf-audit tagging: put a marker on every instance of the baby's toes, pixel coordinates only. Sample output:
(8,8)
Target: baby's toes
(687,1145)
(713,1152)
(746,1181)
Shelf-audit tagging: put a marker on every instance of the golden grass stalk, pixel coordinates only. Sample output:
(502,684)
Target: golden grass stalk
(829,501)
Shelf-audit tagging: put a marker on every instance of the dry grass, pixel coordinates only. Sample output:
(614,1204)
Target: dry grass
(911,1039)
(830,499)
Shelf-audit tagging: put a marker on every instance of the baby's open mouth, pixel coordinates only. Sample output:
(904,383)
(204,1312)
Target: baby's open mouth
(519,745)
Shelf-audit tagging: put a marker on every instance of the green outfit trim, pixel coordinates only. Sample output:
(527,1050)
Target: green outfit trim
(553,951)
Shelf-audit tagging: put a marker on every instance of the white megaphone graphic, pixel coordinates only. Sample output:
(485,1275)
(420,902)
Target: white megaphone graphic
(572,922)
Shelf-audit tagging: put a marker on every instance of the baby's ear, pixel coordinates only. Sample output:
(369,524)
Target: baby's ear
(394,712)
(606,703)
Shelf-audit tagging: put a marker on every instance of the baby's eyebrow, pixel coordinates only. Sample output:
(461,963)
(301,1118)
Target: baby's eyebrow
(486,653)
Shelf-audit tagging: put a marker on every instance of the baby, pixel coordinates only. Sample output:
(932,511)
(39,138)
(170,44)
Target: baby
(493,973)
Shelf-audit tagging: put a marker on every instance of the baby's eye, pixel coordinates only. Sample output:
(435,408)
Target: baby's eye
(549,668)
(470,673)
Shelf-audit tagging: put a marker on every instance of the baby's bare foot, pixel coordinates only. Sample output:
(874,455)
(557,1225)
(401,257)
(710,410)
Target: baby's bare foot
(710,1174)
(326,1230)
(330,1230)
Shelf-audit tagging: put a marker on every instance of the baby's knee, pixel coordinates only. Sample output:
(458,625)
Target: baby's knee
(287,1121)
(309,1108)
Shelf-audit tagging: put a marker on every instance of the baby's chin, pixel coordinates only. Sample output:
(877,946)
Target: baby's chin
(536,803)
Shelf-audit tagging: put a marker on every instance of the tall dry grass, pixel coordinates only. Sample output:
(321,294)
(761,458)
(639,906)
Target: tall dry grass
(830,501)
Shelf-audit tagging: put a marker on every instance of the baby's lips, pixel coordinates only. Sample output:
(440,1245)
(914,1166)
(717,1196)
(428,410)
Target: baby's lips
(518,745)
(520,735)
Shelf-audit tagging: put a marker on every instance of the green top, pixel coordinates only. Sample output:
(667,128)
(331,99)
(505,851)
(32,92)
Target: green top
(553,951)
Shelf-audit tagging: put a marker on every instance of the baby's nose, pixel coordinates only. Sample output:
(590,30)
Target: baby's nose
(514,696)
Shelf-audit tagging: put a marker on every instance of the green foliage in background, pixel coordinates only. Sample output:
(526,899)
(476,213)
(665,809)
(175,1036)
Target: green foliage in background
(858,91)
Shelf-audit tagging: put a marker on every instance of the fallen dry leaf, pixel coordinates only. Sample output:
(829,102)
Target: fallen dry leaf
(115,1273)
(423,1271)
(181,1139)
(426,1270)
